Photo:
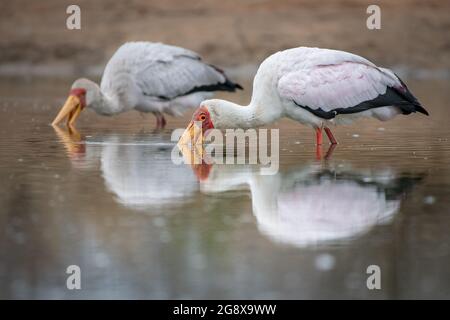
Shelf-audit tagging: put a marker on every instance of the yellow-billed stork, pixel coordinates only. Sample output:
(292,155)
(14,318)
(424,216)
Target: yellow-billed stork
(147,77)
(316,87)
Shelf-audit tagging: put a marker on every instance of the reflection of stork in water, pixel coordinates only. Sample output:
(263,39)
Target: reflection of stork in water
(310,205)
(303,206)
(139,171)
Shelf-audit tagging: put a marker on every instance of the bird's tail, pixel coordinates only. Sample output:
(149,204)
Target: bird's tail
(410,98)
(228,85)
(231,86)
(419,108)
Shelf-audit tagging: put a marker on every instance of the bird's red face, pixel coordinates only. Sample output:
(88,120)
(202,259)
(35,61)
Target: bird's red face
(193,133)
(73,106)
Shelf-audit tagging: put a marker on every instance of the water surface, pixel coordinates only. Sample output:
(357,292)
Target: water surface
(109,199)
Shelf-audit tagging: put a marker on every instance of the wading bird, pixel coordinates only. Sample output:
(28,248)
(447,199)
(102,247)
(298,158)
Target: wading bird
(316,87)
(147,77)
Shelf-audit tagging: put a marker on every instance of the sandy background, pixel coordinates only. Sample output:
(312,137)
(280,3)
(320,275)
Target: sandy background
(228,33)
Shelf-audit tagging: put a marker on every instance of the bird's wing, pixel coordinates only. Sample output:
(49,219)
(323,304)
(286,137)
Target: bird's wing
(331,82)
(180,76)
(162,71)
(178,72)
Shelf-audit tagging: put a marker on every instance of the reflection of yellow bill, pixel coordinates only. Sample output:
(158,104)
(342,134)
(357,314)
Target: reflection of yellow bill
(71,139)
(193,134)
(192,154)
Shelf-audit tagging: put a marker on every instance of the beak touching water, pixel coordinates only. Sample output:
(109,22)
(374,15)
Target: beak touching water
(71,109)
(194,155)
(72,141)
(192,135)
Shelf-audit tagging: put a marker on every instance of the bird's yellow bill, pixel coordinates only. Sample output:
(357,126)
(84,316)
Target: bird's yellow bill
(193,135)
(71,109)
(192,154)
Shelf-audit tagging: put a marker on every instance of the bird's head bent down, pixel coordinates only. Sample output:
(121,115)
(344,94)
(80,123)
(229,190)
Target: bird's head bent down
(217,114)
(202,121)
(82,93)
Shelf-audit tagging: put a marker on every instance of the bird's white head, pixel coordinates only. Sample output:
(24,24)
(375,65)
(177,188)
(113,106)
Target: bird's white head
(223,114)
(82,94)
(213,114)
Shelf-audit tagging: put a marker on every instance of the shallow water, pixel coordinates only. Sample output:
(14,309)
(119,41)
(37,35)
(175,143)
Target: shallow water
(109,200)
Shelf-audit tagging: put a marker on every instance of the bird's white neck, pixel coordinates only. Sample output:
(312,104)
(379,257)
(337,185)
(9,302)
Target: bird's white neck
(233,115)
(101,103)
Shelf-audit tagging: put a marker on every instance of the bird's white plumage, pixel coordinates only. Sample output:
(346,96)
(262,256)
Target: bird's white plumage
(329,79)
(342,85)
(155,77)
(294,82)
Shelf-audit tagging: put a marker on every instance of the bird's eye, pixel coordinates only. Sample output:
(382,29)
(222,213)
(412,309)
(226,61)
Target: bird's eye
(202,117)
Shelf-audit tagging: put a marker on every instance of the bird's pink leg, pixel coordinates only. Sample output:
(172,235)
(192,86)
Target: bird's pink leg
(318,152)
(330,135)
(330,151)
(319,136)
(163,122)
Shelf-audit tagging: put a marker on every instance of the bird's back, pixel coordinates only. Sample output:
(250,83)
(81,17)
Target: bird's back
(329,82)
(148,76)
(296,59)
(132,57)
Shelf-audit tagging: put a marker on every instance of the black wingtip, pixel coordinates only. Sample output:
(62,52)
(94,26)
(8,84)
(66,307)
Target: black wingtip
(232,86)
(421,109)
(229,85)
(408,96)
